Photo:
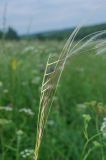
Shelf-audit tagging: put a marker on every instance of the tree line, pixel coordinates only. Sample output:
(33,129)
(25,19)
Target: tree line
(10,34)
(64,34)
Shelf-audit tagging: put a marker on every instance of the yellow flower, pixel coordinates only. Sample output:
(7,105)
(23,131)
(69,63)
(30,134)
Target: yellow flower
(1,84)
(14,64)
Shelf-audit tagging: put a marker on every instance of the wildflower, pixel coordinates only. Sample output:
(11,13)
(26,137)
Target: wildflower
(93,103)
(1,84)
(96,144)
(36,80)
(81,107)
(28,49)
(27,153)
(103,128)
(5,122)
(6,108)
(19,133)
(100,109)
(14,64)
(50,122)
(87,117)
(27,111)
(5,91)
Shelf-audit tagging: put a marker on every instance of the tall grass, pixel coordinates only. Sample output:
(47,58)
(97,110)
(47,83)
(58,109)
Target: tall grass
(53,72)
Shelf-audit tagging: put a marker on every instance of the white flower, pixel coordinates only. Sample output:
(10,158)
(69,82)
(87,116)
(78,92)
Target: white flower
(36,80)
(5,91)
(6,108)
(19,133)
(27,153)
(50,122)
(81,107)
(27,111)
(86,117)
(104,119)
(103,128)
(28,49)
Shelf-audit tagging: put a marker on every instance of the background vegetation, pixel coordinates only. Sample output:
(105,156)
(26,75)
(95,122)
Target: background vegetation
(82,90)
(56,35)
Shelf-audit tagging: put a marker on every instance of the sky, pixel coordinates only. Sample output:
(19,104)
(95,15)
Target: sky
(33,16)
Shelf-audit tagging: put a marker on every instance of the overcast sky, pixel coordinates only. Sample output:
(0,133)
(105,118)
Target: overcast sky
(44,15)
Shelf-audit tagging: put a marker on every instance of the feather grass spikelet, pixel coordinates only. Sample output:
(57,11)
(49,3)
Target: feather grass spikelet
(52,78)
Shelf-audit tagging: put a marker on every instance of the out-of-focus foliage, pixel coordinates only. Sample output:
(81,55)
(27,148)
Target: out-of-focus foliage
(82,91)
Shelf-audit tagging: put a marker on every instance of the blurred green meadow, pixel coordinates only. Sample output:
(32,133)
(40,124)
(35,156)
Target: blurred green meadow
(82,90)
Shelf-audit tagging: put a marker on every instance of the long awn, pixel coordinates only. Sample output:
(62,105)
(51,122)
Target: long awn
(52,75)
